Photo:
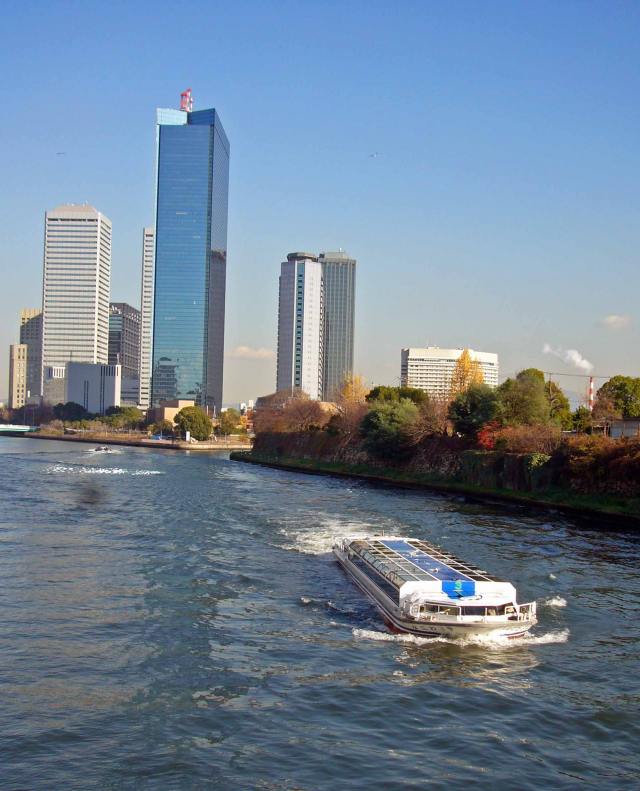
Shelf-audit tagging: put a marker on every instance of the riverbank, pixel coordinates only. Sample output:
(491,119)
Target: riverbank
(618,509)
(132,441)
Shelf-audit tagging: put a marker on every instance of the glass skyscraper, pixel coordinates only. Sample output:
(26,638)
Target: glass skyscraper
(339,276)
(192,185)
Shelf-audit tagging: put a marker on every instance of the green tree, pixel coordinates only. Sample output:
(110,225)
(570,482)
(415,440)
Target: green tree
(387,428)
(386,393)
(624,393)
(229,421)
(194,420)
(473,408)
(163,427)
(523,400)
(70,411)
(559,407)
(123,417)
(582,420)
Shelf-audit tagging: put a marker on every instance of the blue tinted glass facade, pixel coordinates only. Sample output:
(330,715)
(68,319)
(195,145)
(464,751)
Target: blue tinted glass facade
(190,258)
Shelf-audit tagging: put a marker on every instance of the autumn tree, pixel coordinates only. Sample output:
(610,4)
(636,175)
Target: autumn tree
(351,406)
(467,372)
(229,421)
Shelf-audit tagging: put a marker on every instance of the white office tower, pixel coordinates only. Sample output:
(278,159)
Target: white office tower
(75,294)
(300,325)
(146,319)
(431,368)
(95,387)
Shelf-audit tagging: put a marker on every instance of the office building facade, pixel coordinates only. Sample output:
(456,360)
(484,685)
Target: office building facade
(431,368)
(18,366)
(192,184)
(94,386)
(75,295)
(124,348)
(339,278)
(301,325)
(31,336)
(146,316)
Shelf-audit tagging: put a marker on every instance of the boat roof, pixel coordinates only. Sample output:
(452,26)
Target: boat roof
(403,560)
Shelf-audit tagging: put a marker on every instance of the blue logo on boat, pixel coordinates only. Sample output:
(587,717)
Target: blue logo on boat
(457,588)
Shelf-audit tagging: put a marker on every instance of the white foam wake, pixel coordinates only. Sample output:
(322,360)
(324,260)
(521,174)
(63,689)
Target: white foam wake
(490,642)
(555,601)
(318,539)
(63,468)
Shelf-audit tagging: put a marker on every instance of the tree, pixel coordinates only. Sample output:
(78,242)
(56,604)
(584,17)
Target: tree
(467,372)
(523,400)
(351,405)
(162,427)
(304,414)
(229,420)
(386,429)
(123,417)
(194,420)
(559,407)
(582,420)
(386,393)
(473,408)
(70,411)
(604,408)
(624,393)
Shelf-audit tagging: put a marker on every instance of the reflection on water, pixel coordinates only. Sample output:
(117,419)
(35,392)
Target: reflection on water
(178,622)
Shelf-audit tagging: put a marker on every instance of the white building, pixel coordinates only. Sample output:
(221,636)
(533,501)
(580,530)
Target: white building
(95,387)
(75,294)
(431,368)
(146,322)
(301,325)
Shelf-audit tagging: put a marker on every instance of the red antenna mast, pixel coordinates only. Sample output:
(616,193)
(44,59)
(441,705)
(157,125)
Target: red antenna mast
(186,101)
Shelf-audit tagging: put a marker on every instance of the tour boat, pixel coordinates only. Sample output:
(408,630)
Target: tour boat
(424,591)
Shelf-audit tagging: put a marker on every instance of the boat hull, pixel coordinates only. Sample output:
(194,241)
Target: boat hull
(398,623)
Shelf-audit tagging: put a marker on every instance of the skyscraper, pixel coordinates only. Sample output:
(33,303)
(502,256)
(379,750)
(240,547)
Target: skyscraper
(146,316)
(124,348)
(300,325)
(339,275)
(31,336)
(190,257)
(75,294)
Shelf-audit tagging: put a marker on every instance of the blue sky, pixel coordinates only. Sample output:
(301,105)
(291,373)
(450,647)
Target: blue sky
(501,213)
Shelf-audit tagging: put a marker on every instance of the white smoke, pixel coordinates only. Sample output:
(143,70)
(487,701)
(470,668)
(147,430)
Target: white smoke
(616,322)
(569,356)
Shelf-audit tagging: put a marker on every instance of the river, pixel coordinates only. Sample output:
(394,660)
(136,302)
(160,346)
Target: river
(172,621)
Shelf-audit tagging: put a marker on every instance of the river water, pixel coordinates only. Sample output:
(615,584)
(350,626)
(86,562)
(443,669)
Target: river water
(172,621)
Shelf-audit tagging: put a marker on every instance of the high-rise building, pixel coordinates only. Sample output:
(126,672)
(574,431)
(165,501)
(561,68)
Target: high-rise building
(76,282)
(192,185)
(124,348)
(301,325)
(431,368)
(31,335)
(17,375)
(339,275)
(146,316)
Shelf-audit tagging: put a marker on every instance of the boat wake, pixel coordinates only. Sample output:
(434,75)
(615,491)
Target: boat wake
(555,601)
(55,469)
(489,642)
(320,538)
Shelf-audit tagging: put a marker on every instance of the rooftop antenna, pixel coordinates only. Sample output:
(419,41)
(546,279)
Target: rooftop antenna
(186,101)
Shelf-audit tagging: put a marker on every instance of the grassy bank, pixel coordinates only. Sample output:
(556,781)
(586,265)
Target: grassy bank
(618,509)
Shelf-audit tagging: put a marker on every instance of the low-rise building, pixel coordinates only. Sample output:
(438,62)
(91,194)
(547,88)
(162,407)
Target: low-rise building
(168,410)
(431,368)
(94,386)
(623,428)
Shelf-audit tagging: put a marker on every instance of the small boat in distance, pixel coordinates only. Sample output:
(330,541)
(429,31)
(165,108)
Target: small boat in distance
(102,449)
(421,590)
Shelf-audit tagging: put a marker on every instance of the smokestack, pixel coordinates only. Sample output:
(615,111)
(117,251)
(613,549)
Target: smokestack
(590,404)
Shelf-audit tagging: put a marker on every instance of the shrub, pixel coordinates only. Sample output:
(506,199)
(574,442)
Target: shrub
(386,429)
(544,438)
